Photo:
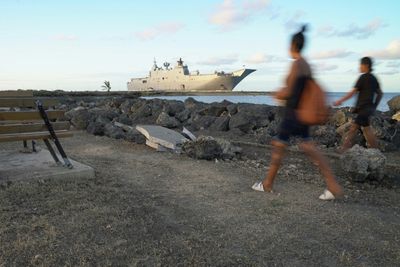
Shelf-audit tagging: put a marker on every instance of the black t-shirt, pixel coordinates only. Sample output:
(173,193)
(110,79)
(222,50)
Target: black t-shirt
(367,86)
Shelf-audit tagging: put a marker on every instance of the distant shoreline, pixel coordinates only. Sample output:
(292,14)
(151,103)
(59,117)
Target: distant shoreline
(47,93)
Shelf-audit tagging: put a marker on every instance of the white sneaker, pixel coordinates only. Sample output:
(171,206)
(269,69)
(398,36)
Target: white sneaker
(258,187)
(327,195)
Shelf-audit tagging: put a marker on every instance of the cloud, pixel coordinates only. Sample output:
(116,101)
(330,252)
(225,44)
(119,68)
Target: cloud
(389,72)
(392,51)
(230,13)
(65,37)
(260,58)
(339,53)
(167,28)
(257,59)
(216,61)
(293,22)
(353,30)
(393,64)
(255,4)
(323,67)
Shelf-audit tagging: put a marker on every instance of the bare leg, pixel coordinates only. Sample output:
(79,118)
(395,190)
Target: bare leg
(313,153)
(278,153)
(350,137)
(370,137)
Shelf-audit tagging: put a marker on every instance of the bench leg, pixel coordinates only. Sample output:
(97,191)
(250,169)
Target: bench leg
(63,155)
(26,148)
(53,154)
(46,120)
(34,146)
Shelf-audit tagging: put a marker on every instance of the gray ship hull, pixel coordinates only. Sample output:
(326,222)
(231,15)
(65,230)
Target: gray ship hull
(179,79)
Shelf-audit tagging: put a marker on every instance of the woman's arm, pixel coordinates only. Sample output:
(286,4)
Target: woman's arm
(345,98)
(378,97)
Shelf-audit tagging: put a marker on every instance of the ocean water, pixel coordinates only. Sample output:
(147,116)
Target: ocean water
(269,100)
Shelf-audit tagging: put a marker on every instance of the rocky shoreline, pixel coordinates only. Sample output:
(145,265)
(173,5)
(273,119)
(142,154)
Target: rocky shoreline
(251,122)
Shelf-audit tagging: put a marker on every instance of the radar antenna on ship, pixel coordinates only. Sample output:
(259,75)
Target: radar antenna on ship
(180,62)
(166,65)
(155,67)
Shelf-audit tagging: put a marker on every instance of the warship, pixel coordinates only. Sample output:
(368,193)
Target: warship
(180,79)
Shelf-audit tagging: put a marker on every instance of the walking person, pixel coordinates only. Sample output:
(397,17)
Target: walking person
(291,127)
(369,95)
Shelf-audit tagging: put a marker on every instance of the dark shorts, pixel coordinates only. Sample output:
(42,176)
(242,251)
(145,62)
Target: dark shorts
(363,116)
(291,127)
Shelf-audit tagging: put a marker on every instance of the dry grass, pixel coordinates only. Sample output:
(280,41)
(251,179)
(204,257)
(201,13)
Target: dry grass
(150,209)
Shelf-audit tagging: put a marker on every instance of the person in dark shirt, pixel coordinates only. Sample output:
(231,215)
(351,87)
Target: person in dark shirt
(292,127)
(369,95)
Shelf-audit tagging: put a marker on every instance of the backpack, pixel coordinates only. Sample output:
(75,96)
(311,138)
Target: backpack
(312,108)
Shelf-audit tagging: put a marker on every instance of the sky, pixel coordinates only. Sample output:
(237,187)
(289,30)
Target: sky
(78,44)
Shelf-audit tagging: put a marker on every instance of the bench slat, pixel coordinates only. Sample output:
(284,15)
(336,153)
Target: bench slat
(29,115)
(32,136)
(28,93)
(32,127)
(26,102)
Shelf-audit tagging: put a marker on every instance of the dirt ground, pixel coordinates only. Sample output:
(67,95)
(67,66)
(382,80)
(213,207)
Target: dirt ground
(146,208)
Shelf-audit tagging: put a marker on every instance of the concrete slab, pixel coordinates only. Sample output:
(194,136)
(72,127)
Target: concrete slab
(156,146)
(16,166)
(161,135)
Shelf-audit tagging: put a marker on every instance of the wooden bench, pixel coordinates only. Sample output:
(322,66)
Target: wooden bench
(22,118)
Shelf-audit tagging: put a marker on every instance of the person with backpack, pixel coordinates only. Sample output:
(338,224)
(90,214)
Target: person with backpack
(300,73)
(369,95)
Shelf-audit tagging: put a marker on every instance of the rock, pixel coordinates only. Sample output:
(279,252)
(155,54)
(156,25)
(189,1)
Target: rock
(205,147)
(114,103)
(232,109)
(263,136)
(251,117)
(167,121)
(137,104)
(157,106)
(379,127)
(99,114)
(143,111)
(362,164)
(113,131)
(326,135)
(101,119)
(183,115)
(396,116)
(236,132)
(173,107)
(79,117)
(126,106)
(215,109)
(221,124)
(339,118)
(199,122)
(192,104)
(135,136)
(242,122)
(385,146)
(96,128)
(124,119)
(229,151)
(394,104)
